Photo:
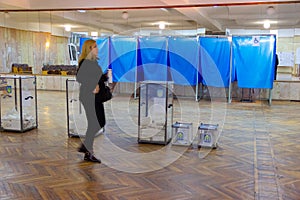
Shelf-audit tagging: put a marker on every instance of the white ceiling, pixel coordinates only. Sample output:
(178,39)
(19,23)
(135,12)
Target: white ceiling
(106,16)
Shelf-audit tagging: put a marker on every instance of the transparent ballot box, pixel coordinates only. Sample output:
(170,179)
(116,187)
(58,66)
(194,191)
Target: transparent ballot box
(18,104)
(182,133)
(208,135)
(155,113)
(76,118)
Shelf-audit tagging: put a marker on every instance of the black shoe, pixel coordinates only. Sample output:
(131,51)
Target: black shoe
(82,149)
(90,157)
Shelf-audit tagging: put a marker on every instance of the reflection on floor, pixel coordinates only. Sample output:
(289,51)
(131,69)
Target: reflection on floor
(257,155)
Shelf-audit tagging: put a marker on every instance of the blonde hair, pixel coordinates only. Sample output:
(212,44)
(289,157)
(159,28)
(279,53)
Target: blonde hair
(86,51)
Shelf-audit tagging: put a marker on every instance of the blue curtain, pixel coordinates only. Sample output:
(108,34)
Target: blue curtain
(254,60)
(184,60)
(103,46)
(152,57)
(123,57)
(215,61)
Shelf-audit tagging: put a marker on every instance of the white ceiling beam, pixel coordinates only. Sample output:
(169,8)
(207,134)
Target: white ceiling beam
(201,18)
(92,22)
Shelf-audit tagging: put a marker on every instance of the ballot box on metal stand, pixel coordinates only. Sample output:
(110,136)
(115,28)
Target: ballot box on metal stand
(155,112)
(18,103)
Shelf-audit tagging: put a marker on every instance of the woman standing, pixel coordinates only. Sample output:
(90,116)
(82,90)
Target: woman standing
(89,76)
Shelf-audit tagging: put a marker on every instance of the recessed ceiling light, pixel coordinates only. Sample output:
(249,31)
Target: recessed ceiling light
(162,25)
(164,9)
(67,28)
(94,34)
(267,24)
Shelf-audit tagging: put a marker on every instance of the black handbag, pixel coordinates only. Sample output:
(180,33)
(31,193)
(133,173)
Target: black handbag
(104,94)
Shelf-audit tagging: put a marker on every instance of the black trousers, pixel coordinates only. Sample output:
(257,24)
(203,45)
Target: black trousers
(100,112)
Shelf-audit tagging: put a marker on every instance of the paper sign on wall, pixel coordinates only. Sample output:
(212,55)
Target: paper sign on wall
(286,59)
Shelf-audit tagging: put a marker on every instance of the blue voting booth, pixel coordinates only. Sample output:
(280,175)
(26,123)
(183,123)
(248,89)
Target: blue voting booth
(208,60)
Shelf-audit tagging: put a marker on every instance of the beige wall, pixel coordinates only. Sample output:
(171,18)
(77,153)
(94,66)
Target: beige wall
(28,47)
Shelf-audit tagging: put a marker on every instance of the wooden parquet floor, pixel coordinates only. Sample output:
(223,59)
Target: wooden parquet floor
(257,155)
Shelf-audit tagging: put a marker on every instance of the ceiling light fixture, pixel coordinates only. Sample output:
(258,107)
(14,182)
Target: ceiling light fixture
(67,28)
(270,10)
(164,9)
(162,25)
(94,34)
(267,24)
(125,15)
(6,15)
(81,11)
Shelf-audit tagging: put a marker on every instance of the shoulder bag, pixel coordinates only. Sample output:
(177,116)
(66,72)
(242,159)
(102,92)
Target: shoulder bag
(104,94)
